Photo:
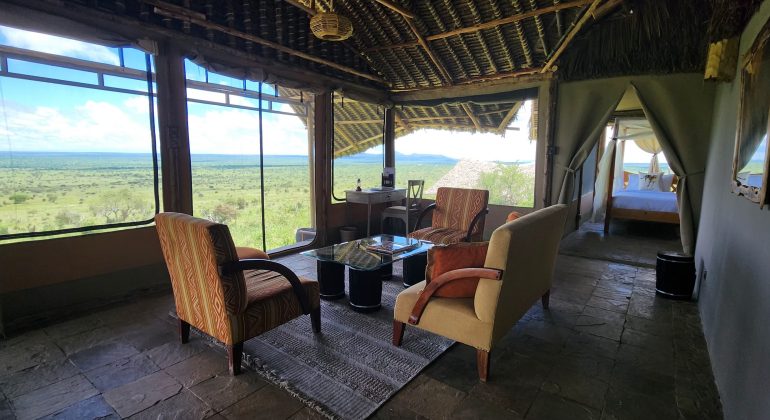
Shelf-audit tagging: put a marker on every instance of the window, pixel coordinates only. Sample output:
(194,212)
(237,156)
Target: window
(502,164)
(251,174)
(358,149)
(78,149)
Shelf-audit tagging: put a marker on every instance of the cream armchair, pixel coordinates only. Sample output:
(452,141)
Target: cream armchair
(517,272)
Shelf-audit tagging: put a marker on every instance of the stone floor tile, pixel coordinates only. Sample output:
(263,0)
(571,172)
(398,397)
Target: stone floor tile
(267,403)
(307,413)
(174,352)
(641,381)
(591,346)
(73,326)
(121,372)
(430,398)
(53,398)
(141,394)
(654,327)
(224,390)
(144,337)
(620,306)
(182,406)
(474,408)
(36,377)
(28,354)
(647,341)
(545,331)
(85,340)
(392,411)
(548,406)
(599,327)
(28,338)
(657,361)
(199,368)
(101,355)
(455,372)
(576,387)
(513,384)
(612,293)
(623,404)
(5,409)
(590,365)
(91,408)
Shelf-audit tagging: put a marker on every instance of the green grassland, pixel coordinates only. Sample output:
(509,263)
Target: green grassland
(42,192)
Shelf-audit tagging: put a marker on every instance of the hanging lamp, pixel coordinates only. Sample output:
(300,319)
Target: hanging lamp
(330,26)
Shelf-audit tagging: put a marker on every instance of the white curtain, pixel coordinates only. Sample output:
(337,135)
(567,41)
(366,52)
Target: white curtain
(620,150)
(650,145)
(602,184)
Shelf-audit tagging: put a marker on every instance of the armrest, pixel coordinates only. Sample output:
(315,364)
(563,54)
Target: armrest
(279,268)
(423,213)
(448,277)
(475,220)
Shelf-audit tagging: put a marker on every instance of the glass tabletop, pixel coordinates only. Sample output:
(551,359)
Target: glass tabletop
(370,253)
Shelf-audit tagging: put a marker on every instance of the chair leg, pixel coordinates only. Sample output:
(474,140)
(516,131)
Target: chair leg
(482,362)
(398,333)
(234,353)
(184,331)
(546,299)
(315,319)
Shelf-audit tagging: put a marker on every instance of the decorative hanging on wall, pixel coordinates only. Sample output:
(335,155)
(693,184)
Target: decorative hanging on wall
(330,26)
(722,60)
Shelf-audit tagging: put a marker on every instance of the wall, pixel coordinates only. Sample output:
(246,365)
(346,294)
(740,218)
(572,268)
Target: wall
(48,278)
(733,254)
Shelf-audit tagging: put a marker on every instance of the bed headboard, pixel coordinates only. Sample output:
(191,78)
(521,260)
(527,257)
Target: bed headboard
(626,174)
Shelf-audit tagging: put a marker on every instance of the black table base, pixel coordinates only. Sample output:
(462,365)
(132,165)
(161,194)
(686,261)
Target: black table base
(414,269)
(365,288)
(331,280)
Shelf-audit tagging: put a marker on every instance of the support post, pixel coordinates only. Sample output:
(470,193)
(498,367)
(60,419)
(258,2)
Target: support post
(174,135)
(389,137)
(324,153)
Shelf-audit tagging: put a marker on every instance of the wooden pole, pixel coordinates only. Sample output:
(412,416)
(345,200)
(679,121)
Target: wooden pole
(396,8)
(474,120)
(509,116)
(389,137)
(511,19)
(608,211)
(570,36)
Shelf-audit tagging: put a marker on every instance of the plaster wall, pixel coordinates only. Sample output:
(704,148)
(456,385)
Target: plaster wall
(733,261)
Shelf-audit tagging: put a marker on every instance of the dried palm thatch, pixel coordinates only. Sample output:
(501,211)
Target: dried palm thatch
(729,17)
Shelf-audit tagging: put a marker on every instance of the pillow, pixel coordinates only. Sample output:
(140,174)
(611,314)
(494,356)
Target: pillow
(451,257)
(649,182)
(512,216)
(633,182)
(666,181)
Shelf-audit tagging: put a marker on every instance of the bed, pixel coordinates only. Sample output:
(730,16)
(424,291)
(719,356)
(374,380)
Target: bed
(634,204)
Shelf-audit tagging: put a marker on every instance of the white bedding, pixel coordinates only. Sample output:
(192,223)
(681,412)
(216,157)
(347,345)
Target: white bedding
(645,200)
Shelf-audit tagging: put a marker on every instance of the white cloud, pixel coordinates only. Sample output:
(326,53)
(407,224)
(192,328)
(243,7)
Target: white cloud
(58,45)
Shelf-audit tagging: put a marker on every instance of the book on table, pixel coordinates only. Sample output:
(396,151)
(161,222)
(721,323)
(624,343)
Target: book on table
(390,247)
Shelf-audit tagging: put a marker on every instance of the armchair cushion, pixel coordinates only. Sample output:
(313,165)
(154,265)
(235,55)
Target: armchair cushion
(452,318)
(271,300)
(450,257)
(443,236)
(246,253)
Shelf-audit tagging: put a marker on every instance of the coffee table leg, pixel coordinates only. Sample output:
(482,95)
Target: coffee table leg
(365,289)
(331,280)
(386,272)
(414,269)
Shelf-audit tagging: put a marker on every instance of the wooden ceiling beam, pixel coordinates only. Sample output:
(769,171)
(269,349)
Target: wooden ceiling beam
(166,9)
(469,111)
(401,121)
(508,117)
(352,122)
(436,61)
(460,126)
(396,8)
(540,28)
(570,35)
(409,44)
(487,87)
(511,19)
(301,6)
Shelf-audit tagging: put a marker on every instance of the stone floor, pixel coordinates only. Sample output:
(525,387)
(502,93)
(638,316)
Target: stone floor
(608,348)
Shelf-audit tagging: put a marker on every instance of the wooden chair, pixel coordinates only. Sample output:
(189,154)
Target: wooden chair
(228,298)
(413,203)
(458,215)
(517,272)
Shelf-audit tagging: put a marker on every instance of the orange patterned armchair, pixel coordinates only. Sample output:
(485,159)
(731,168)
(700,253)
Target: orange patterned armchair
(228,298)
(458,215)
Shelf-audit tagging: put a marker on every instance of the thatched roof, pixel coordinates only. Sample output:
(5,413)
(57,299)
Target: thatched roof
(403,46)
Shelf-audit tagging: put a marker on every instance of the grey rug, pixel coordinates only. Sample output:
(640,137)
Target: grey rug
(350,368)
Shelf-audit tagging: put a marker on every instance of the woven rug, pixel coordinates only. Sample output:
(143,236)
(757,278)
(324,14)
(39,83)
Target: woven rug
(351,368)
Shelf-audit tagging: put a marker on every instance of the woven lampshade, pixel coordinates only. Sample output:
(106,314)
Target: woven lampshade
(331,27)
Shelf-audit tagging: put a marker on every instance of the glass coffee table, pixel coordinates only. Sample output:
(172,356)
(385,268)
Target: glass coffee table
(369,261)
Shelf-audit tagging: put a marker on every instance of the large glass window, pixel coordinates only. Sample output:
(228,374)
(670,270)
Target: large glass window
(503,164)
(358,149)
(250,174)
(78,152)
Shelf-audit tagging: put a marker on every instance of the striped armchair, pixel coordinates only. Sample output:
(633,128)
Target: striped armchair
(228,298)
(458,215)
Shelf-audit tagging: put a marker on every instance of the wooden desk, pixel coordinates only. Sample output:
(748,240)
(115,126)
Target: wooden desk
(370,197)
